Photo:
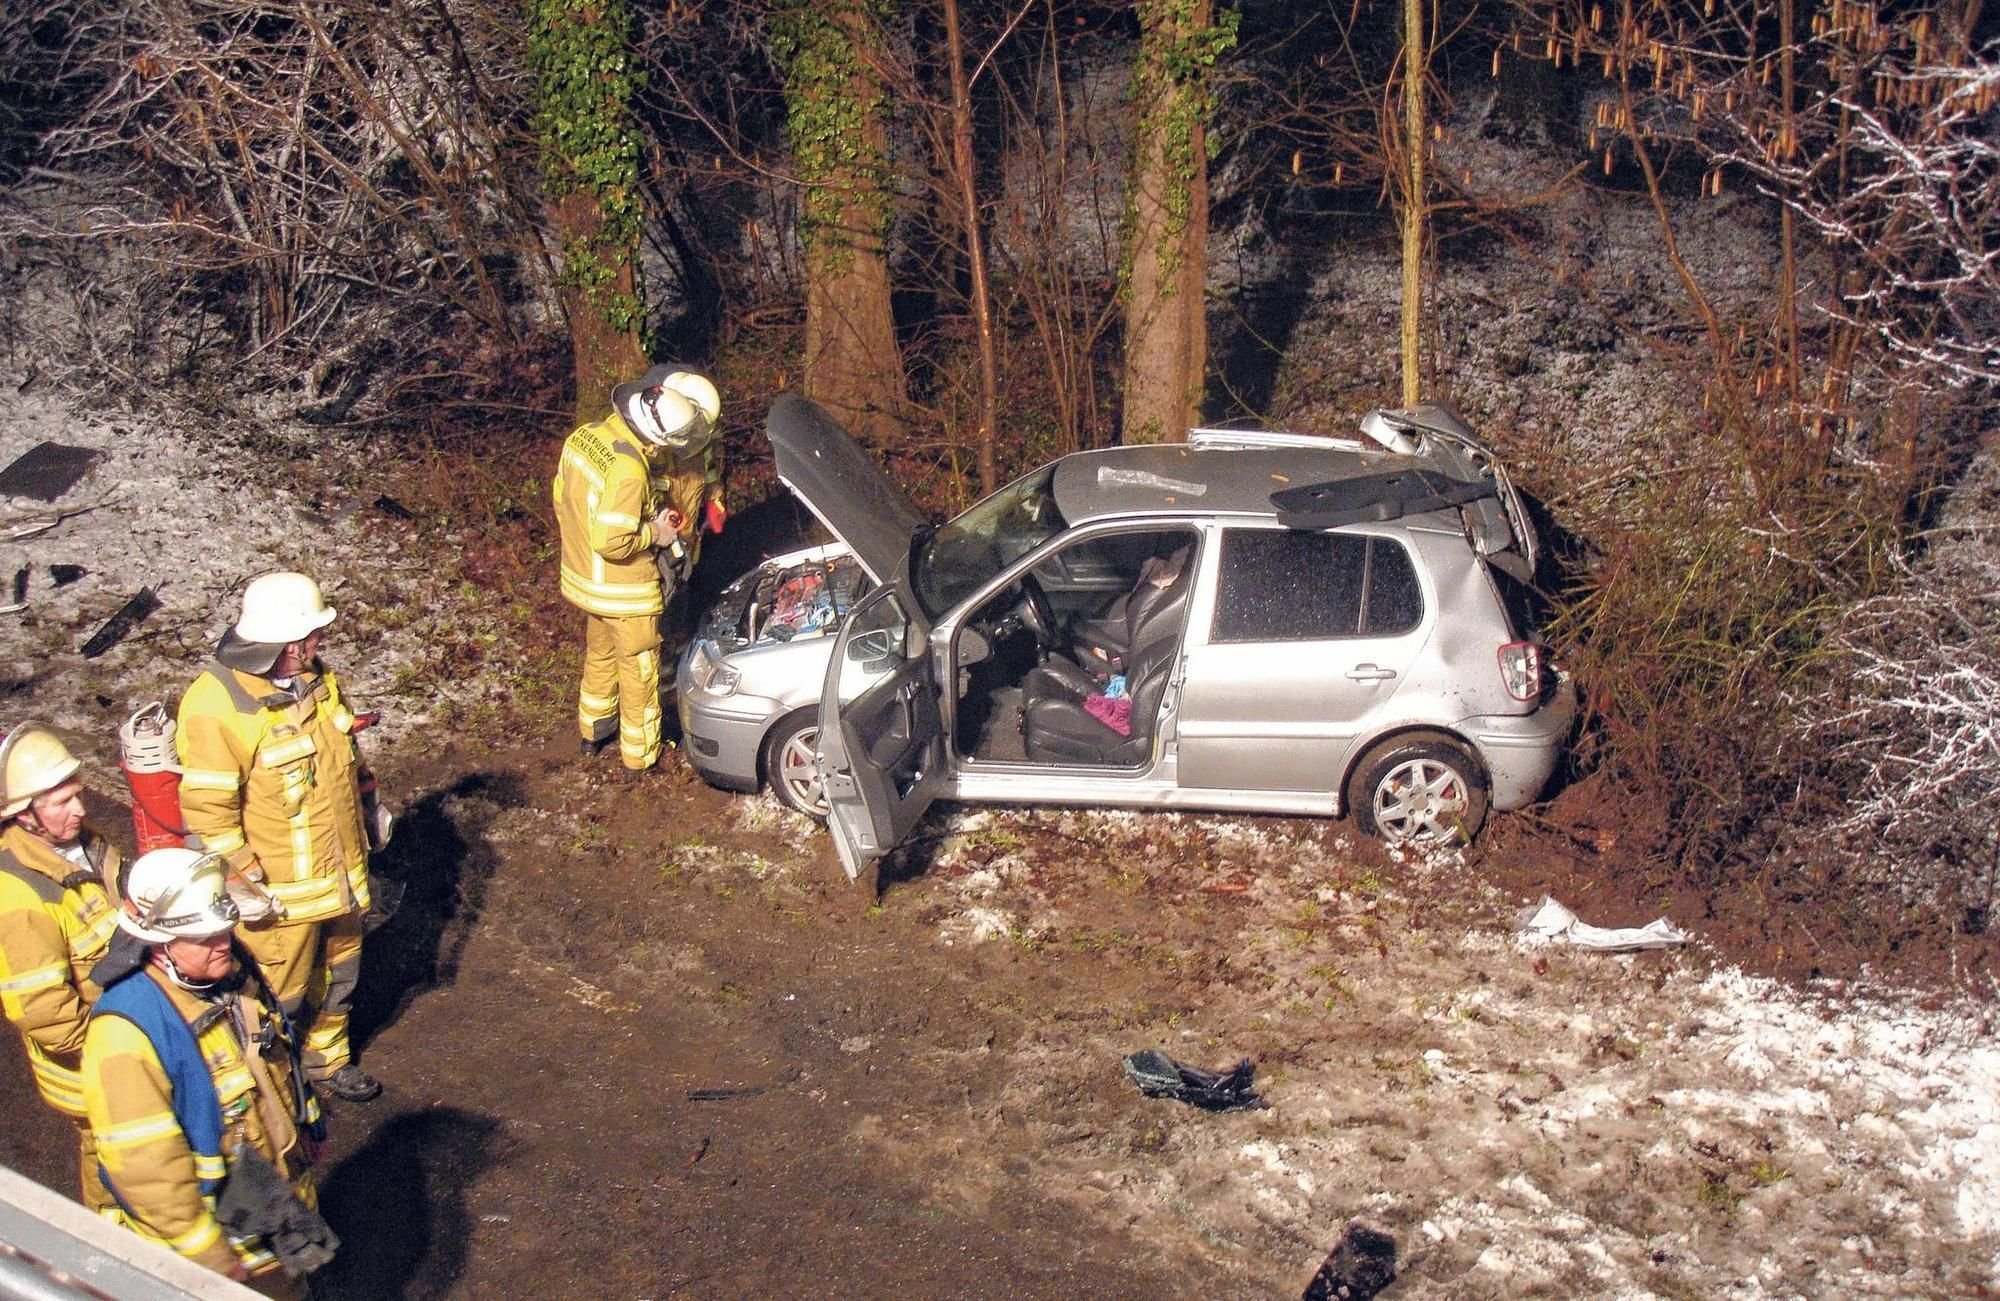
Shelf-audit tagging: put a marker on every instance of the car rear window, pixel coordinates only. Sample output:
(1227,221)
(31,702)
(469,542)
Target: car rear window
(1282,585)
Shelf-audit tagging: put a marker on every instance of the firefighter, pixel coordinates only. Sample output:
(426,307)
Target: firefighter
(630,493)
(270,781)
(57,877)
(191,1078)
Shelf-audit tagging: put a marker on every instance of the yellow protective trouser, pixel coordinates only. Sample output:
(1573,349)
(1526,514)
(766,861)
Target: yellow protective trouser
(621,680)
(313,968)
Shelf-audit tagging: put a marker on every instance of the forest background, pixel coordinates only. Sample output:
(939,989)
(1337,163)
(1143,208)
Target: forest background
(987,234)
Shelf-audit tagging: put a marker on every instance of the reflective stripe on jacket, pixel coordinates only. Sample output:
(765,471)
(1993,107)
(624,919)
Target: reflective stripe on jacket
(605,503)
(156,1174)
(271,775)
(56,921)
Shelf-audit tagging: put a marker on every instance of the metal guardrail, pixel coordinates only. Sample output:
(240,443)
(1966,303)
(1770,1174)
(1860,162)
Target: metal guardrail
(52,1249)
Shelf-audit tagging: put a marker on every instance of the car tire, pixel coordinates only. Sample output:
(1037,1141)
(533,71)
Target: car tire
(788,763)
(1419,788)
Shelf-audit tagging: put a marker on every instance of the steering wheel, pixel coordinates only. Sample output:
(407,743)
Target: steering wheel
(1035,612)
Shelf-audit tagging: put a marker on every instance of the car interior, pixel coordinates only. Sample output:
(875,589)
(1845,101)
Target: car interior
(1081,652)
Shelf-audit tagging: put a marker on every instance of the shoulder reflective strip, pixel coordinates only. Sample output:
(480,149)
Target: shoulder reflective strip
(100,928)
(343,718)
(211,779)
(580,466)
(137,1133)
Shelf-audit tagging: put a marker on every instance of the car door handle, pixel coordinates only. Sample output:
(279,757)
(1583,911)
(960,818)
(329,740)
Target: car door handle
(1370,673)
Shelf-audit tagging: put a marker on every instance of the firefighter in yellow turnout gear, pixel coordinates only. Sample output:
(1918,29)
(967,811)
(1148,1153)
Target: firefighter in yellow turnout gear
(630,494)
(270,782)
(205,1131)
(57,875)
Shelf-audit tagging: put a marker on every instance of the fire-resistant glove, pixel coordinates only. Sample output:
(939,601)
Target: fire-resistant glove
(716,515)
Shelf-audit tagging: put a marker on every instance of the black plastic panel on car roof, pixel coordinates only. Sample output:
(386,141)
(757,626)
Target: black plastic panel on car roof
(1374,497)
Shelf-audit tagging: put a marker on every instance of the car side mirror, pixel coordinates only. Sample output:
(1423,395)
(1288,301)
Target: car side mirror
(870,648)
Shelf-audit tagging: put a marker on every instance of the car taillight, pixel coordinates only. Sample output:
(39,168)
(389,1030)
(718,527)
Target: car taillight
(1521,669)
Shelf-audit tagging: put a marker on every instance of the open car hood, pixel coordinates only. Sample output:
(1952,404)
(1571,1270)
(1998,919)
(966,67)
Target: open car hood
(842,485)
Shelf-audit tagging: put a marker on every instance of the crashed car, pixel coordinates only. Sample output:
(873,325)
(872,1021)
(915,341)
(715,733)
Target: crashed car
(749,682)
(1255,621)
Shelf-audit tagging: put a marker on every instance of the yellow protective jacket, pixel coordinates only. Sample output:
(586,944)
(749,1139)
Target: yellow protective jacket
(154,1172)
(605,501)
(270,779)
(56,921)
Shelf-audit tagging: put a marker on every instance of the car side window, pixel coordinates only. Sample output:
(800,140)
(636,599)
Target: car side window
(1283,585)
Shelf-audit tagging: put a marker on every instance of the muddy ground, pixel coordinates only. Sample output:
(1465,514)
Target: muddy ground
(921,1084)
(644,1039)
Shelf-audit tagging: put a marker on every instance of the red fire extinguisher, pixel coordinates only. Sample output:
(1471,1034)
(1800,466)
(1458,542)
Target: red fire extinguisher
(146,754)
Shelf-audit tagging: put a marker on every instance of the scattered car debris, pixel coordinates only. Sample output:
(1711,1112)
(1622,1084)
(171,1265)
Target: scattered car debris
(129,616)
(394,509)
(27,526)
(1160,1076)
(46,471)
(1549,921)
(1361,1264)
(724,1094)
(64,575)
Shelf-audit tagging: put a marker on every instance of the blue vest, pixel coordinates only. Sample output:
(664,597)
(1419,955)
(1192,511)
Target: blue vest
(197,1109)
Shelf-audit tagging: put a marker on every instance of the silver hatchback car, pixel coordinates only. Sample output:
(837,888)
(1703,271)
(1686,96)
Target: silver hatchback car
(1263,622)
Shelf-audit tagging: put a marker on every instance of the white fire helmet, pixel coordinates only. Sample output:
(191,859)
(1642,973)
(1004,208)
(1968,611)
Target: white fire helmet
(668,407)
(700,392)
(176,894)
(33,762)
(282,608)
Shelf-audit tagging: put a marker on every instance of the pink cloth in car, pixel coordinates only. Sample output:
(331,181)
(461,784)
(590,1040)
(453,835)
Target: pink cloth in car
(1114,714)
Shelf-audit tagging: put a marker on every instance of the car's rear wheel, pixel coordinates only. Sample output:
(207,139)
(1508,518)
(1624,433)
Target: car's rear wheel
(789,766)
(1419,788)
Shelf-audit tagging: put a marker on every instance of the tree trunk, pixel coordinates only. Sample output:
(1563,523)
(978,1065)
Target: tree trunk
(604,353)
(1166,329)
(579,51)
(975,254)
(835,103)
(1415,64)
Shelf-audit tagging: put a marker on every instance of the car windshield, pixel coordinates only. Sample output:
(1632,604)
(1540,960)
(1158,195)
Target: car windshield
(952,562)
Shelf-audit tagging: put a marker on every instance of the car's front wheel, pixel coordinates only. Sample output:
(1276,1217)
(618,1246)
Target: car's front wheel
(789,766)
(1419,788)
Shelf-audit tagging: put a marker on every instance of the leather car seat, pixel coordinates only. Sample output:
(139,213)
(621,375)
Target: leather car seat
(1056,728)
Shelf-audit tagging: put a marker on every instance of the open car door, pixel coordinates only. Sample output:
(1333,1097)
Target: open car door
(882,754)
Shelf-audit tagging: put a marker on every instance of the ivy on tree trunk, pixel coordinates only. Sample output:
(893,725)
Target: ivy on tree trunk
(585,78)
(835,102)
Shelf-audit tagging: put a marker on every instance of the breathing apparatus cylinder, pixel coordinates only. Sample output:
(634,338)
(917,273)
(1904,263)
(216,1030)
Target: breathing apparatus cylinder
(146,756)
